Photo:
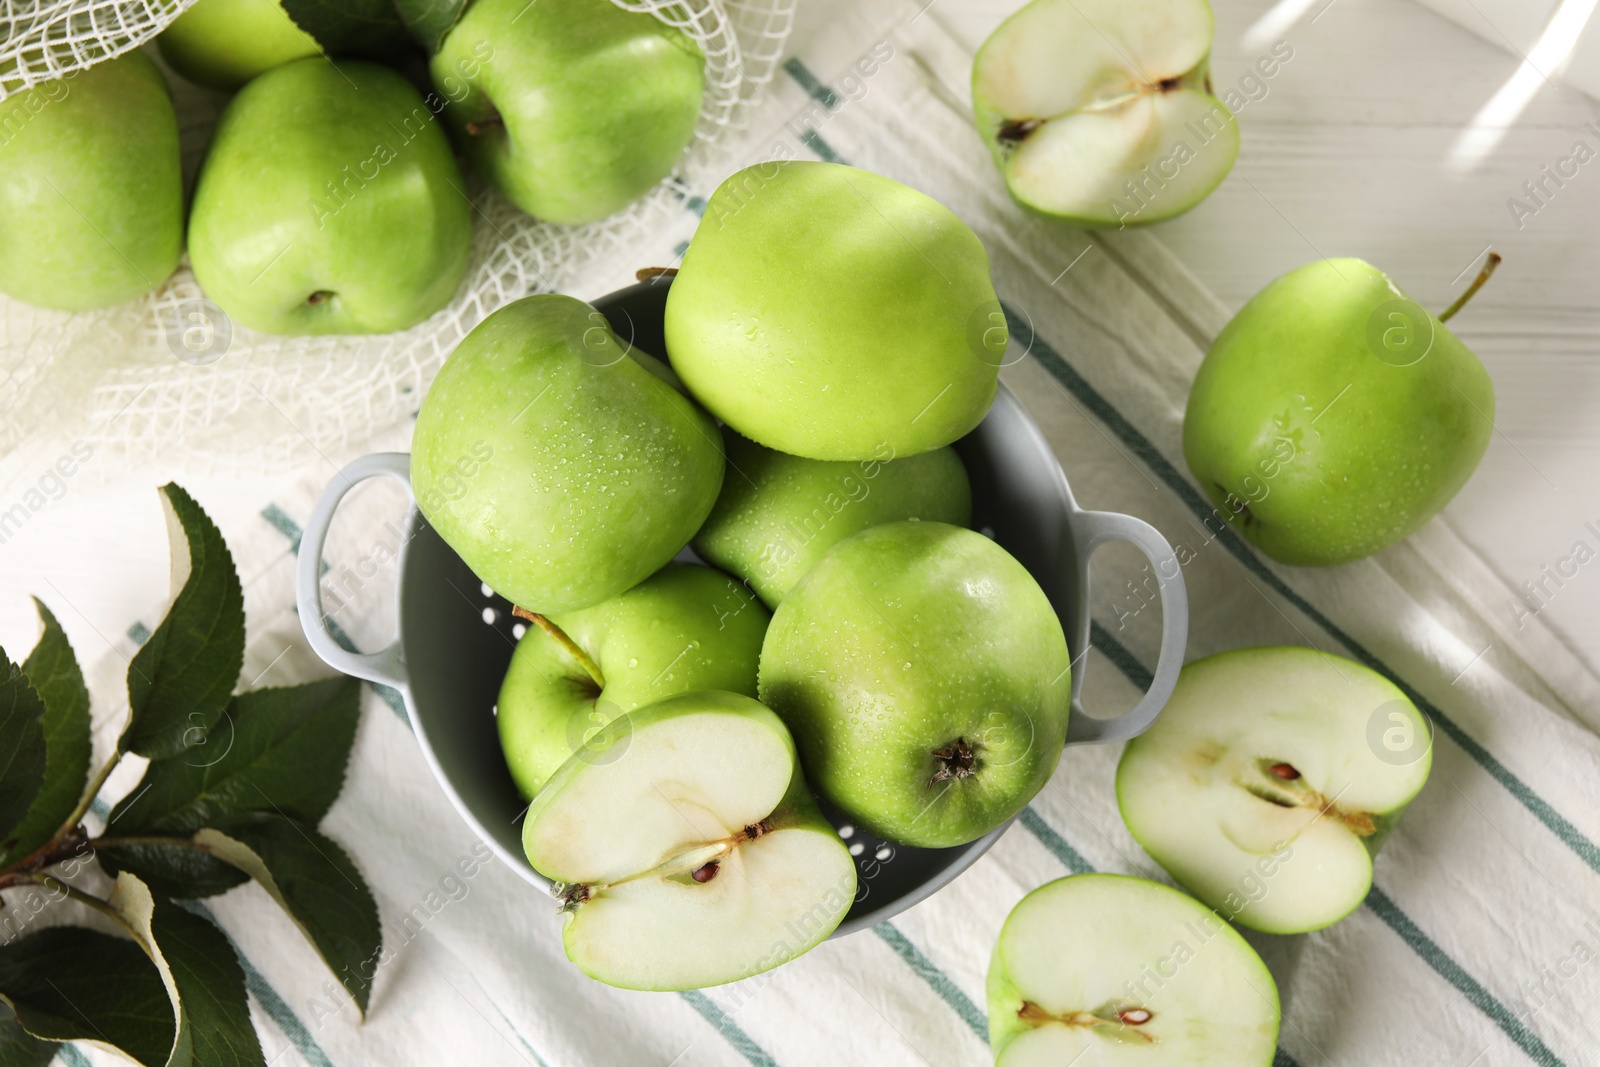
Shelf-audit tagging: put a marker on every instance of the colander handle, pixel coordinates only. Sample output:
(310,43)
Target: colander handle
(387,666)
(1091,529)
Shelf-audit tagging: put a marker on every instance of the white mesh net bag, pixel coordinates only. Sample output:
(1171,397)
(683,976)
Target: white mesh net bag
(167,381)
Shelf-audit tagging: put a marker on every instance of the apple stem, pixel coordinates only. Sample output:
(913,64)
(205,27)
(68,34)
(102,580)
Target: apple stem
(477,127)
(589,666)
(645,274)
(1477,283)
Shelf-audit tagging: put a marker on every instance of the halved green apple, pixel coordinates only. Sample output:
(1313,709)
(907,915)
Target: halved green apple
(695,857)
(1100,112)
(1109,970)
(1268,783)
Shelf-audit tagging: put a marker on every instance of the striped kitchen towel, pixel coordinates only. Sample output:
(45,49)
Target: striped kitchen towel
(1476,946)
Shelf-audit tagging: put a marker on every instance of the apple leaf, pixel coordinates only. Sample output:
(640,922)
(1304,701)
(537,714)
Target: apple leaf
(18,1048)
(52,670)
(67,983)
(178,870)
(430,21)
(211,993)
(22,749)
(313,879)
(355,27)
(180,681)
(280,750)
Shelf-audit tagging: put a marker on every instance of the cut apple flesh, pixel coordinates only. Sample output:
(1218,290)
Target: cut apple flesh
(692,856)
(1260,789)
(1104,969)
(1100,111)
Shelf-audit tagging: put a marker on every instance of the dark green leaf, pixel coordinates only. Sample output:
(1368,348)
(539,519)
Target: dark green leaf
(278,750)
(53,671)
(317,884)
(430,20)
(18,1048)
(179,682)
(211,989)
(175,870)
(22,749)
(67,983)
(355,27)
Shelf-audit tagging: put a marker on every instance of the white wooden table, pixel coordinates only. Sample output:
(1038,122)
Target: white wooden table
(1349,152)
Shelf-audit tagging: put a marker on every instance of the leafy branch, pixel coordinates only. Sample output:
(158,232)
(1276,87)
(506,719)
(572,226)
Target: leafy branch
(234,790)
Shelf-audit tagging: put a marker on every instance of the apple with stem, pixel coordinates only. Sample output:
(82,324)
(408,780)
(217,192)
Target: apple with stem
(1100,112)
(685,627)
(1270,781)
(926,679)
(778,513)
(562,464)
(695,855)
(833,313)
(1333,415)
(329,202)
(571,108)
(1107,969)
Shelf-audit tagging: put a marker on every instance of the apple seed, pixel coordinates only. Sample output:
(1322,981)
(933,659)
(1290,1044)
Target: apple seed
(704,874)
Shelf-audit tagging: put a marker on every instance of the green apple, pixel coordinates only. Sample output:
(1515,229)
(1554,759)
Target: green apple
(926,679)
(1110,970)
(1100,112)
(1270,780)
(222,44)
(694,857)
(685,627)
(571,108)
(562,465)
(779,513)
(329,202)
(833,313)
(91,188)
(1334,416)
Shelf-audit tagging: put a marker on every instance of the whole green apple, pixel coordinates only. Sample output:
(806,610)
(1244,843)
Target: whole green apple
(1334,416)
(1100,112)
(685,627)
(91,188)
(1271,780)
(686,848)
(329,202)
(779,513)
(562,465)
(222,44)
(833,313)
(571,108)
(1114,971)
(926,680)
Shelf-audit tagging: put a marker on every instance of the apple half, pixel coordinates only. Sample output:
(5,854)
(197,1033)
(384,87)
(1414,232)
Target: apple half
(1100,112)
(686,848)
(1105,969)
(1270,780)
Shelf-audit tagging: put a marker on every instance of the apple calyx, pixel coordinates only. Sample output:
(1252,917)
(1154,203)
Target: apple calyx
(1282,784)
(1119,1020)
(700,864)
(590,667)
(957,760)
(321,296)
(1477,283)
